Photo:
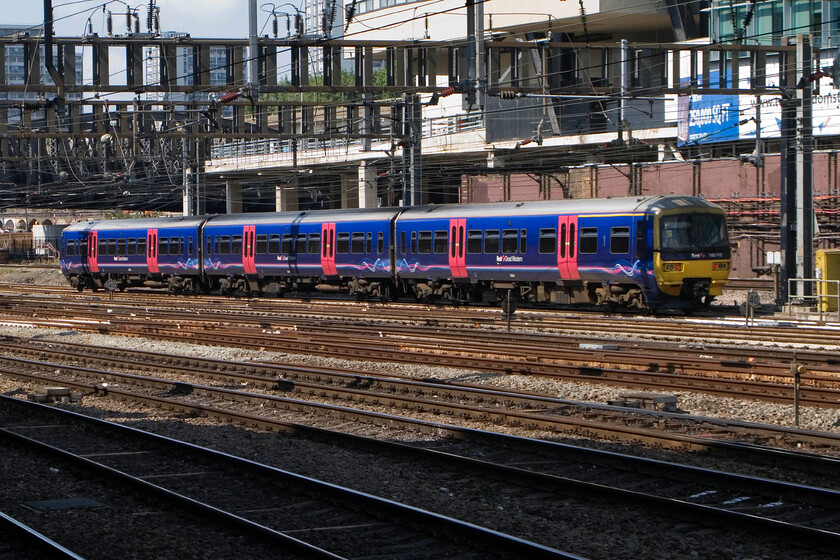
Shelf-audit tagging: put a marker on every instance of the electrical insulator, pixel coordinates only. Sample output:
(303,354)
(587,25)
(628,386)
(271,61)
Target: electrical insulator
(229,97)
(150,16)
(157,21)
(136,23)
(288,26)
(299,25)
(90,27)
(127,19)
(109,23)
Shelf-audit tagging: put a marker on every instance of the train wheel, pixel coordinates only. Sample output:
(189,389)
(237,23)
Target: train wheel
(384,293)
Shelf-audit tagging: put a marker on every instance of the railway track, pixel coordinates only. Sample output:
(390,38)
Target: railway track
(788,511)
(438,397)
(741,372)
(265,502)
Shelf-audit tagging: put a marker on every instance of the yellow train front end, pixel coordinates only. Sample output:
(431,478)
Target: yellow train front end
(692,256)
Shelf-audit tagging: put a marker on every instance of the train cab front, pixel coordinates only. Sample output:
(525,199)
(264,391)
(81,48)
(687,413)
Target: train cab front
(692,256)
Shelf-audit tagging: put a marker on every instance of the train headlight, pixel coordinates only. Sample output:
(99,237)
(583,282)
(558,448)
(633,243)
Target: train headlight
(673,267)
(720,266)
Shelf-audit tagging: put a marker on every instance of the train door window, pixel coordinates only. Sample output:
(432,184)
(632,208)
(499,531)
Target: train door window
(112,247)
(588,240)
(453,241)
(424,242)
(460,242)
(491,242)
(369,243)
(163,246)
(103,247)
(380,243)
(572,239)
(300,244)
(273,244)
(121,250)
(262,244)
(640,239)
(190,246)
(224,245)
(548,241)
(402,242)
(441,240)
(357,247)
(620,240)
(141,246)
(510,241)
(343,245)
(523,240)
(331,245)
(314,243)
(236,245)
(474,241)
(286,244)
(563,233)
(413,241)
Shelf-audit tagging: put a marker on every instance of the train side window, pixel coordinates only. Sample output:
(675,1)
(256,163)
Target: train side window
(163,246)
(414,242)
(181,245)
(131,247)
(300,244)
(236,245)
(262,244)
(523,240)
(286,244)
(224,245)
(141,245)
(402,242)
(510,241)
(112,247)
(369,243)
(491,242)
(218,245)
(69,248)
(273,244)
(588,240)
(357,245)
(548,241)
(121,250)
(103,247)
(620,240)
(474,241)
(380,243)
(190,246)
(82,248)
(175,246)
(314,243)
(424,242)
(342,245)
(441,240)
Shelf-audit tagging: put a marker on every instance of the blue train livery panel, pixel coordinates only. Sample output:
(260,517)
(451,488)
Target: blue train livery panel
(637,252)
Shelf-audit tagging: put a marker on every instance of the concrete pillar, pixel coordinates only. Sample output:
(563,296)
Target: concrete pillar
(349,190)
(286,197)
(233,197)
(367,186)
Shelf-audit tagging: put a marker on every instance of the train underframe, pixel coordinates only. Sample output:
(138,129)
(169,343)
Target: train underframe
(694,295)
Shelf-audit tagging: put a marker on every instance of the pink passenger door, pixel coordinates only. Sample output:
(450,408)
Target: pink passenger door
(152,251)
(457,258)
(567,247)
(92,249)
(328,249)
(248,260)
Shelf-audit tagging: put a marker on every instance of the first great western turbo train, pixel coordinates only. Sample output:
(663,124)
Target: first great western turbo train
(648,253)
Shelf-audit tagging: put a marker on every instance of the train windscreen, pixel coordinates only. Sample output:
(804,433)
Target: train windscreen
(694,235)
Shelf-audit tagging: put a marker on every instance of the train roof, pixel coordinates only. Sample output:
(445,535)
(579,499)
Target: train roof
(309,216)
(566,206)
(139,223)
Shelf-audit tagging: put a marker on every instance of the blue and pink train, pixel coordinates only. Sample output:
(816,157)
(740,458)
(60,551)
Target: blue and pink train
(650,252)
